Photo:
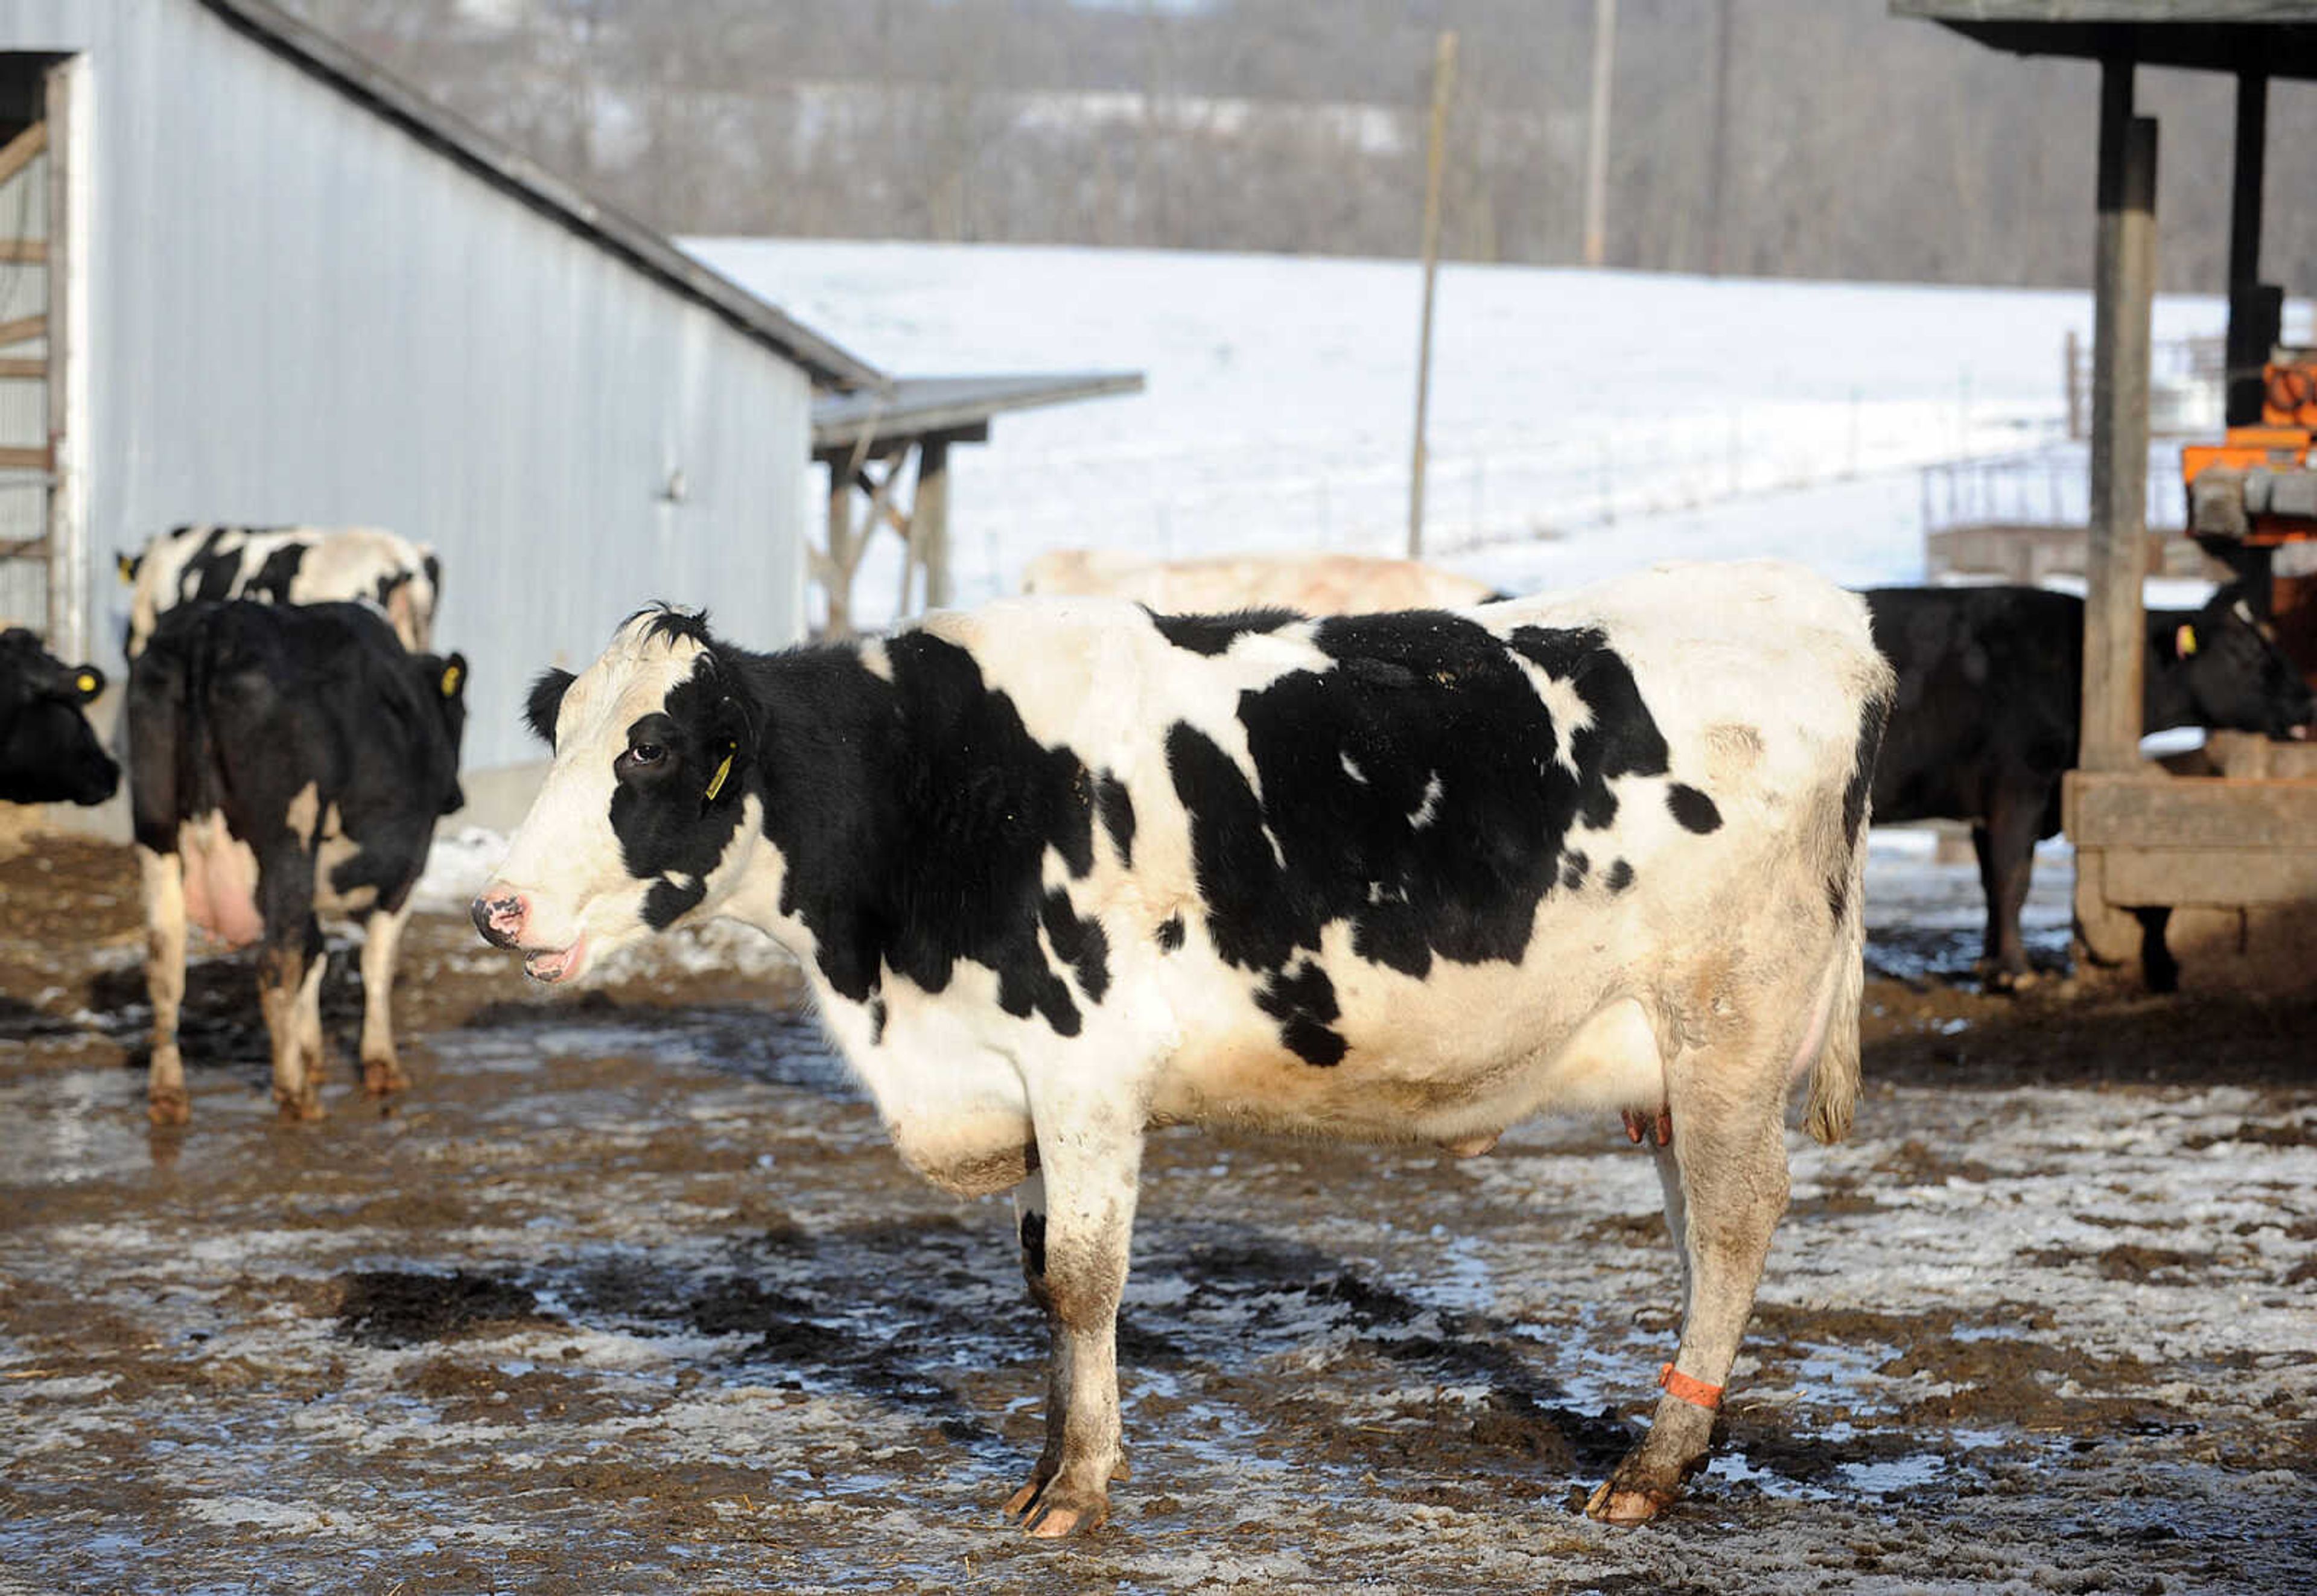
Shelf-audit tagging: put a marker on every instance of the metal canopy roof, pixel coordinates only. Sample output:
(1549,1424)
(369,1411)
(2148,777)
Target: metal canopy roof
(483,155)
(2273,37)
(917,407)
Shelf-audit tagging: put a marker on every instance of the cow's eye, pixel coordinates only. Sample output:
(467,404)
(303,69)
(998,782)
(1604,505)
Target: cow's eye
(646,753)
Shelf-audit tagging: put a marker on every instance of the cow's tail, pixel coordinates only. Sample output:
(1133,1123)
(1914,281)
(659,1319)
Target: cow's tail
(1834,1073)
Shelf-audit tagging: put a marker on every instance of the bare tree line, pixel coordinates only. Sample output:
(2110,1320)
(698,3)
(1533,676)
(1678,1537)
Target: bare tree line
(1845,143)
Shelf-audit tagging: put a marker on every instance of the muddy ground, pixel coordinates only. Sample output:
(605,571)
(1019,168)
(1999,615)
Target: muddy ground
(627,1295)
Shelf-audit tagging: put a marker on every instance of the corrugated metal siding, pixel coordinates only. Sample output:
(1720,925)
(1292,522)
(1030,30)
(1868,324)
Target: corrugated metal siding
(24,403)
(300,312)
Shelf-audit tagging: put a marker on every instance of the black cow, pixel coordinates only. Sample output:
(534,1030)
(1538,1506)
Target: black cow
(48,754)
(285,761)
(1990,689)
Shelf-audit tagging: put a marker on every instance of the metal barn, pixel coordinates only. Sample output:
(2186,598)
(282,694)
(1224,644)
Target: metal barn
(246,277)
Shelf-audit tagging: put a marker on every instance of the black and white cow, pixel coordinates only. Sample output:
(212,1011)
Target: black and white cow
(48,752)
(285,565)
(1059,871)
(285,761)
(1990,709)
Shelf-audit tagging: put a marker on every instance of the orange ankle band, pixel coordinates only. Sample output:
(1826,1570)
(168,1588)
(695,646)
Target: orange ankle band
(1696,1393)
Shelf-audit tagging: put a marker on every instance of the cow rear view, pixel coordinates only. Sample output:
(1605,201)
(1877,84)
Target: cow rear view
(285,762)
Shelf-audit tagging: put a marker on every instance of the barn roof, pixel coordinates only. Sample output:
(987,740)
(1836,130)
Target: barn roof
(2273,38)
(622,236)
(916,407)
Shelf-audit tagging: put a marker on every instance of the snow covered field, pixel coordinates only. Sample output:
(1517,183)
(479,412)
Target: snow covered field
(1582,422)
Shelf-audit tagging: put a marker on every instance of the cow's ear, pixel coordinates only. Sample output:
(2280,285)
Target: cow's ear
(88,682)
(546,700)
(454,679)
(723,752)
(2184,641)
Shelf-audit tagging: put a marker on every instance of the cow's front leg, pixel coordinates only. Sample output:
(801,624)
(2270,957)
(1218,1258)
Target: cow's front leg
(167,1101)
(381,937)
(1731,1160)
(1077,1218)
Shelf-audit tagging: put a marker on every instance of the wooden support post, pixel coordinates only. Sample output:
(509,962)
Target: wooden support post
(929,520)
(1597,136)
(2124,281)
(2255,315)
(836,564)
(1443,76)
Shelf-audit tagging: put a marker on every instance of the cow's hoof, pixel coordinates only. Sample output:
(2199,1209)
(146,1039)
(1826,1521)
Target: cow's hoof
(169,1108)
(299,1110)
(1614,1504)
(1059,1512)
(379,1078)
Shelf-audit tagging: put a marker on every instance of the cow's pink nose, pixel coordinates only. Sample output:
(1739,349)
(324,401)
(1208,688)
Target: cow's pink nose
(499,916)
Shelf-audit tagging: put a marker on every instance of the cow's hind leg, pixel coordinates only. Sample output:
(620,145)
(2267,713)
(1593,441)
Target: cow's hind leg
(381,938)
(290,967)
(1077,1218)
(2006,845)
(1730,1152)
(165,982)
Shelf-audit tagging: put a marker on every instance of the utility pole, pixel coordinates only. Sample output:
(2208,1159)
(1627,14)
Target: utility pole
(1596,144)
(1443,78)
(1717,156)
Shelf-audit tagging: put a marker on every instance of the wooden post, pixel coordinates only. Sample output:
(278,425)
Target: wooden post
(1443,76)
(2254,316)
(929,519)
(1717,158)
(66,110)
(1597,140)
(2124,280)
(837,565)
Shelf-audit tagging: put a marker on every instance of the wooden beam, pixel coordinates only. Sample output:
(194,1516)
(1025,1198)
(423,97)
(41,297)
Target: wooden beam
(23,329)
(23,252)
(18,152)
(2124,281)
(34,367)
(20,458)
(2208,878)
(2149,808)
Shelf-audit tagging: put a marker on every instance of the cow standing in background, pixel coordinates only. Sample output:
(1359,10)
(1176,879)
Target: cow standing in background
(285,761)
(1308,584)
(1059,871)
(1988,714)
(48,752)
(285,565)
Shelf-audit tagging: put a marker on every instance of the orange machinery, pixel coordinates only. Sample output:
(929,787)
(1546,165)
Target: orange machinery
(2257,492)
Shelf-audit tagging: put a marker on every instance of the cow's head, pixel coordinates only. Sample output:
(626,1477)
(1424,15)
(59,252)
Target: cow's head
(2233,674)
(648,813)
(48,753)
(443,679)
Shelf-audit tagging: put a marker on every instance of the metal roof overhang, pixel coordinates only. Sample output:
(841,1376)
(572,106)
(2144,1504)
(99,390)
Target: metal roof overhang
(2266,37)
(923,406)
(472,147)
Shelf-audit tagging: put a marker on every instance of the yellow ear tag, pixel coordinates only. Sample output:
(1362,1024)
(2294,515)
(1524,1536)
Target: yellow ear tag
(126,567)
(450,680)
(86,683)
(716,783)
(2184,641)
